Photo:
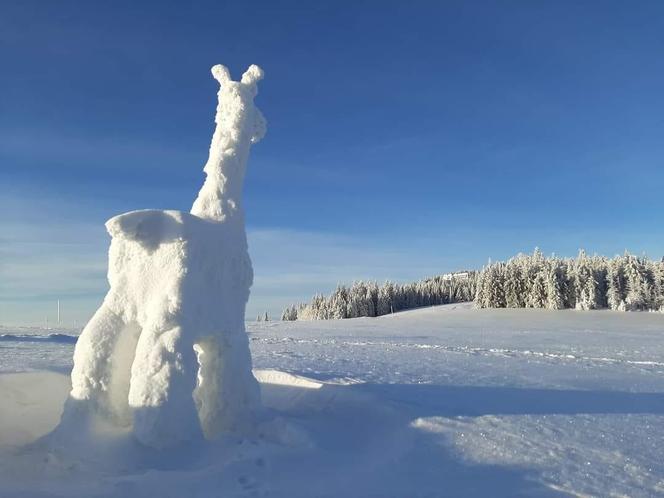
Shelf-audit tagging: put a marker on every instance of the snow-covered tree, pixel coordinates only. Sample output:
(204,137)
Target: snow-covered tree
(372,299)
(537,297)
(617,284)
(338,303)
(585,285)
(482,293)
(515,285)
(289,314)
(555,285)
(658,285)
(640,284)
(386,299)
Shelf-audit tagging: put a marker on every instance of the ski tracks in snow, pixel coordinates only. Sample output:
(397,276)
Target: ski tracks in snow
(550,356)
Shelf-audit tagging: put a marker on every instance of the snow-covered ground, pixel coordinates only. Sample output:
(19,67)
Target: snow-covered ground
(444,401)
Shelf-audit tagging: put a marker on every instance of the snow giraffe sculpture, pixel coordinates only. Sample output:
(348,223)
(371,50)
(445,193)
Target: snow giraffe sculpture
(168,347)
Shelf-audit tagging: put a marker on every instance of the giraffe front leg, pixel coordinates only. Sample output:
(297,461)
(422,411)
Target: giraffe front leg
(163,379)
(92,377)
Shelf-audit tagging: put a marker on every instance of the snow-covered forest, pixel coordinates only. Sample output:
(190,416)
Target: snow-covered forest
(624,283)
(370,299)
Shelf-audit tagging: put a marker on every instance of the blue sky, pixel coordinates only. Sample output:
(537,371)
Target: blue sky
(405,139)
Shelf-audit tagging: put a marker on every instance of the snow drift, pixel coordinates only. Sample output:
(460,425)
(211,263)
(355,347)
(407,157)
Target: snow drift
(167,351)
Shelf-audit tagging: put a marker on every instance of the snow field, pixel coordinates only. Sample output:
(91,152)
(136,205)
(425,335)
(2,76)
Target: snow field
(444,401)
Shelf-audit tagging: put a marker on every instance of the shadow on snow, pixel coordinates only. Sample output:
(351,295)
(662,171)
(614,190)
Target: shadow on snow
(366,446)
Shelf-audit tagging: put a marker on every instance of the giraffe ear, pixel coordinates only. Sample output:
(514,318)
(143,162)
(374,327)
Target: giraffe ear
(221,74)
(260,126)
(252,75)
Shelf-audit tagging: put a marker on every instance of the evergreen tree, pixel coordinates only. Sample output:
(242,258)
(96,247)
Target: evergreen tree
(385,299)
(658,279)
(555,285)
(639,284)
(537,298)
(338,303)
(289,314)
(585,285)
(482,291)
(514,282)
(372,299)
(617,284)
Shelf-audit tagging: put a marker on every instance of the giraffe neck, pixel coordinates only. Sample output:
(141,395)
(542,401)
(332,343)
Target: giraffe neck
(220,198)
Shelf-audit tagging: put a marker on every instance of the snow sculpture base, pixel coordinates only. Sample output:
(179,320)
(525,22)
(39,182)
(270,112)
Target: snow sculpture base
(167,350)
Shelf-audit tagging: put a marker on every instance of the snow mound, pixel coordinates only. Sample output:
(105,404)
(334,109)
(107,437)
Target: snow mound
(31,405)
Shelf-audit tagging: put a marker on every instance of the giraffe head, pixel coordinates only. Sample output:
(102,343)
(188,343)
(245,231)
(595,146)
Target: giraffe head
(240,93)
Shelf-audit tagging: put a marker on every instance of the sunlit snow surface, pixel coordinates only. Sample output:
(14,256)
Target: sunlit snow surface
(445,401)
(24,349)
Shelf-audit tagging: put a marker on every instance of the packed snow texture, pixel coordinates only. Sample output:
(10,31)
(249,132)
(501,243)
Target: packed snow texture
(167,350)
(443,401)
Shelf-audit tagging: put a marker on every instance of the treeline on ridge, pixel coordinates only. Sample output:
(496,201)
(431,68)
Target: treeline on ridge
(624,283)
(371,299)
